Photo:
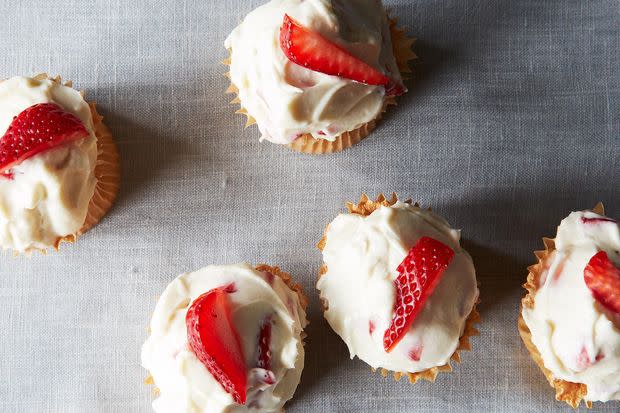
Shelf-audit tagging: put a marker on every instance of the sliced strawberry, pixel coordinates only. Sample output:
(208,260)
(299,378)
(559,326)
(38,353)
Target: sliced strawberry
(36,129)
(215,341)
(315,52)
(583,360)
(269,277)
(371,327)
(559,269)
(596,220)
(416,352)
(264,343)
(395,89)
(419,274)
(7,175)
(603,280)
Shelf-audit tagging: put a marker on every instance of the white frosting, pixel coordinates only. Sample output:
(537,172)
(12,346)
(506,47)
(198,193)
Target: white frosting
(49,195)
(567,327)
(288,100)
(362,255)
(184,382)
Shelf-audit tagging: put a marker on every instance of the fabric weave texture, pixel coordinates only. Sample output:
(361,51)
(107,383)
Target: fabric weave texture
(512,121)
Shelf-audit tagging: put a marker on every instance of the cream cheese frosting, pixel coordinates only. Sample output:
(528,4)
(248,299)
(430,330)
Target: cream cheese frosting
(49,194)
(578,343)
(362,255)
(184,383)
(288,100)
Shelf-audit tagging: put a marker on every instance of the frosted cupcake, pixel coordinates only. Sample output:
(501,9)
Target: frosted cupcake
(227,339)
(397,287)
(570,321)
(317,74)
(59,166)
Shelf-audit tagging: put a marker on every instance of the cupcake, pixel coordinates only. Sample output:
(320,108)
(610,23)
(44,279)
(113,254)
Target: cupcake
(397,287)
(227,338)
(316,75)
(59,166)
(570,318)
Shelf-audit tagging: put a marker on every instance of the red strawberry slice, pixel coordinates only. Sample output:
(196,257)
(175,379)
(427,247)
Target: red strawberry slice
(315,52)
(603,279)
(415,353)
(264,343)
(596,220)
(583,359)
(215,341)
(36,129)
(419,274)
(559,269)
(371,327)
(395,89)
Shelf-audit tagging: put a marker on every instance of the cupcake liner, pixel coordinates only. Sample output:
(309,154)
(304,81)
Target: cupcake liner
(306,143)
(288,280)
(365,207)
(402,48)
(566,391)
(107,171)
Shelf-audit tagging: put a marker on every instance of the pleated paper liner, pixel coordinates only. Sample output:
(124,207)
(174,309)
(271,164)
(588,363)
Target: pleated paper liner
(290,283)
(401,47)
(365,207)
(107,172)
(571,393)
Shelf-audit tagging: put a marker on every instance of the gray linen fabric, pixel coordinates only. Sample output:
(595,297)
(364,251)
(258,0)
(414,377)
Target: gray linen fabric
(511,123)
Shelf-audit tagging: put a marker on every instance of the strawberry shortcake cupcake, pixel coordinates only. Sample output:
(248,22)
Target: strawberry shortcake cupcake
(317,74)
(397,287)
(570,320)
(59,167)
(227,339)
